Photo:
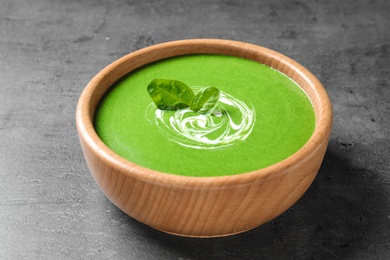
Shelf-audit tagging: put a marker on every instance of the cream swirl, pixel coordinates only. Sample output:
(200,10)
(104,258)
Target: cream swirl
(231,121)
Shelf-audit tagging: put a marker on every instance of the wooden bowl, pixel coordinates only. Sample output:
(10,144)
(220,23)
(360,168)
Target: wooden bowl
(203,206)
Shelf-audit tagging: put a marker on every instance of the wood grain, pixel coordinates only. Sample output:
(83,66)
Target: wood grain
(206,206)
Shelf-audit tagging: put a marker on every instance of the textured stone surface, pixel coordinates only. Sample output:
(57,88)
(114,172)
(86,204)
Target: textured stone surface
(50,207)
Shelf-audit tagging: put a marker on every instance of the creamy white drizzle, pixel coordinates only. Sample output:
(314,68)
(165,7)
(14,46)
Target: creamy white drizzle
(214,131)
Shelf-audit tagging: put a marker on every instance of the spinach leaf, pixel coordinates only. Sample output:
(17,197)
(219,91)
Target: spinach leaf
(205,101)
(170,94)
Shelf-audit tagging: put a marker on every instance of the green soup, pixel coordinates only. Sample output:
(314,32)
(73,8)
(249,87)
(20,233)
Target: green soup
(268,118)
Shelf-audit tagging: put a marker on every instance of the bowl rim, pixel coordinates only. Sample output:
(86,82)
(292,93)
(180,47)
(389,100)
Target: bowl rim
(86,107)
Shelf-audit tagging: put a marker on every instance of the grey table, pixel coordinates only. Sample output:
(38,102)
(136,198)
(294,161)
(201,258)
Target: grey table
(50,207)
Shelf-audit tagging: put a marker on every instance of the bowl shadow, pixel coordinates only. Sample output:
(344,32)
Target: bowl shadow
(340,216)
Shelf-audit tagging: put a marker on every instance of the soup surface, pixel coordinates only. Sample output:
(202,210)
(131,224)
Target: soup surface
(262,118)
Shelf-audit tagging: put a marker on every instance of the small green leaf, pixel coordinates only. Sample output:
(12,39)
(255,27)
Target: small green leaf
(170,94)
(206,100)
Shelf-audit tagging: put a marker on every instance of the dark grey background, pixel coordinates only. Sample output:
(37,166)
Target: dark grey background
(50,207)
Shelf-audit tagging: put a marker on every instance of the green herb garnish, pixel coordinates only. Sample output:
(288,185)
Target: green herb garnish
(205,101)
(174,95)
(170,94)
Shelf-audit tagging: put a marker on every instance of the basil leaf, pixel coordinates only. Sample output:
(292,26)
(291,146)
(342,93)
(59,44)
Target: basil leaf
(206,100)
(170,94)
